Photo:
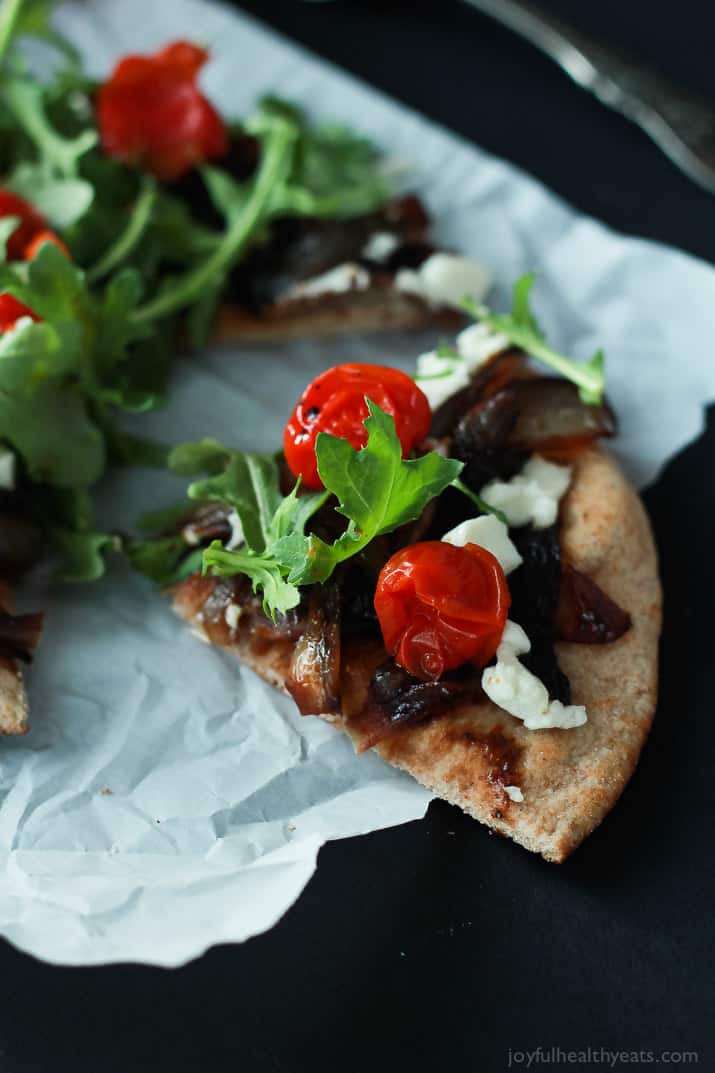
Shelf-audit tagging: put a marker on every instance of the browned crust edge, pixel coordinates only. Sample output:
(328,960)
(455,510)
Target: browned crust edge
(13,699)
(375,309)
(570,779)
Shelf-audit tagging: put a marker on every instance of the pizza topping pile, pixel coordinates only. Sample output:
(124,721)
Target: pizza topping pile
(127,211)
(418,531)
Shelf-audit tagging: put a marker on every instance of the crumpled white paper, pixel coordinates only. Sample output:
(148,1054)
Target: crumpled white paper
(165,799)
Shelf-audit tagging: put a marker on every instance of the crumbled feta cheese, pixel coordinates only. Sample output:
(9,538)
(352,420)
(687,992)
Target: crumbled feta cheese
(232,614)
(514,792)
(199,631)
(443,376)
(490,533)
(478,343)
(190,535)
(444,279)
(380,246)
(440,378)
(7,468)
(346,277)
(237,536)
(514,688)
(532,495)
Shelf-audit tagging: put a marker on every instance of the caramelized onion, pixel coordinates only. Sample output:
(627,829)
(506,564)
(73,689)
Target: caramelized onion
(551,415)
(314,679)
(396,700)
(585,614)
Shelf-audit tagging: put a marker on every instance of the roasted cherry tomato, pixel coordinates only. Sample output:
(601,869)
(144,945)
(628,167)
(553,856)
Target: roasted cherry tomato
(34,245)
(440,605)
(30,223)
(11,310)
(152,112)
(335,403)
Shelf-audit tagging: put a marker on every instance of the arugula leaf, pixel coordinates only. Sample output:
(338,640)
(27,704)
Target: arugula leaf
(134,230)
(522,329)
(164,560)
(25,100)
(82,553)
(41,415)
(377,491)
(201,456)
(265,572)
(250,485)
(62,201)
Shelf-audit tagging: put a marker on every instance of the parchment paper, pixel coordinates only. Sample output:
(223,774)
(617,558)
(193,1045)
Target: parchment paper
(165,799)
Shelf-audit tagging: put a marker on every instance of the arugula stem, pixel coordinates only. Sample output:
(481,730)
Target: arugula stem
(128,239)
(481,504)
(276,148)
(9,14)
(579,372)
(23,98)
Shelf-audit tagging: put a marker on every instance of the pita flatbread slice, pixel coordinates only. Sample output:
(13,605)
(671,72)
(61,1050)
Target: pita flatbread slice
(13,699)
(546,789)
(379,308)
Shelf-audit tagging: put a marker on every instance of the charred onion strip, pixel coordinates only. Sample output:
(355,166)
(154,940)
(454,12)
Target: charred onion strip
(314,679)
(396,700)
(586,615)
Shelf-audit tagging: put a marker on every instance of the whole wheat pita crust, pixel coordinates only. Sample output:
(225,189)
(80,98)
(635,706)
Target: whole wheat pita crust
(569,779)
(375,309)
(13,700)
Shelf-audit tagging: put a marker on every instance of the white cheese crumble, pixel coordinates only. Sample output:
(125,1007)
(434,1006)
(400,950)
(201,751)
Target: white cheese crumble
(514,792)
(7,468)
(345,277)
(380,246)
(532,496)
(232,614)
(440,377)
(514,688)
(478,343)
(444,279)
(237,537)
(490,533)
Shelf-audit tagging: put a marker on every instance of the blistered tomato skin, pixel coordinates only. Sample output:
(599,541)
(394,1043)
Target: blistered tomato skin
(151,112)
(440,606)
(38,241)
(31,223)
(11,311)
(335,402)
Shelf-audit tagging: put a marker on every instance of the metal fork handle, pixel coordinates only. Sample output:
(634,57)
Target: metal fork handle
(680,122)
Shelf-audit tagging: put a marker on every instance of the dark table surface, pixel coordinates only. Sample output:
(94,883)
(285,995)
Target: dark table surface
(433,945)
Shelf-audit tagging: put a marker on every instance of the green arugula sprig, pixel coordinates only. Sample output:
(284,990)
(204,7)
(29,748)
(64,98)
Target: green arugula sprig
(303,171)
(521,328)
(377,491)
(61,381)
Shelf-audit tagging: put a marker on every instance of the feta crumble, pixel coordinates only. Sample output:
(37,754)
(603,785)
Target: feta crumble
(232,614)
(444,279)
(441,377)
(490,533)
(346,277)
(532,496)
(514,792)
(514,688)
(380,246)
(237,536)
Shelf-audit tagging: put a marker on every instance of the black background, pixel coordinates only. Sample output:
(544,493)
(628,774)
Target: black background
(434,945)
